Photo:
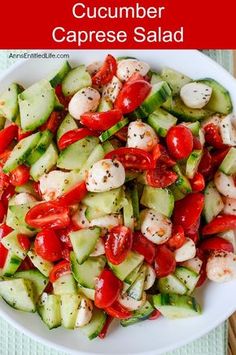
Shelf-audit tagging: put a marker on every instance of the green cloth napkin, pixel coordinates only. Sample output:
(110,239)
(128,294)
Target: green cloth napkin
(12,342)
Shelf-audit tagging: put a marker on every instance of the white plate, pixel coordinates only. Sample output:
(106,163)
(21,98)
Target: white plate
(149,337)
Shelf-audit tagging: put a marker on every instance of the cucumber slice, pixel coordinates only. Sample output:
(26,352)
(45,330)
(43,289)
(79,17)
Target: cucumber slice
(123,269)
(92,213)
(220,98)
(45,267)
(83,242)
(75,80)
(133,190)
(59,75)
(107,202)
(161,200)
(11,264)
(36,104)
(19,294)
(45,163)
(69,310)
(38,280)
(178,195)
(114,129)
(57,105)
(140,314)
(176,306)
(11,243)
(155,78)
(65,284)
(171,284)
(161,121)
(128,212)
(175,79)
(94,327)
(131,175)
(182,183)
(107,147)
(137,288)
(41,147)
(68,158)
(194,127)
(16,218)
(87,273)
(177,108)
(193,162)
(87,292)
(27,187)
(213,203)
(9,107)
(104,105)
(133,275)
(49,309)
(188,277)
(20,152)
(228,165)
(67,125)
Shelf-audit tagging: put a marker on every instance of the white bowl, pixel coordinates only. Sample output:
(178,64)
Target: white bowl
(149,337)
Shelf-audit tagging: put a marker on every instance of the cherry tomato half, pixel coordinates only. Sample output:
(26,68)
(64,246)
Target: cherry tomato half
(48,215)
(219,224)
(118,244)
(101,121)
(73,136)
(61,268)
(64,234)
(20,175)
(24,241)
(6,136)
(132,95)
(106,72)
(179,141)
(21,135)
(116,310)
(165,262)
(4,230)
(47,244)
(7,194)
(122,134)
(216,244)
(154,315)
(205,166)
(197,182)
(3,255)
(52,123)
(26,265)
(212,136)
(132,158)
(161,176)
(75,195)
(4,182)
(3,211)
(188,210)
(144,247)
(177,239)
(107,289)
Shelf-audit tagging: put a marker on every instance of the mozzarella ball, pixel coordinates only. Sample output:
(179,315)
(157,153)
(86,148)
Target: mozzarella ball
(85,312)
(194,264)
(51,185)
(155,226)
(127,67)
(186,252)
(149,278)
(230,206)
(130,303)
(23,198)
(85,100)
(195,95)
(111,90)
(141,135)
(105,175)
(221,266)
(79,218)
(93,68)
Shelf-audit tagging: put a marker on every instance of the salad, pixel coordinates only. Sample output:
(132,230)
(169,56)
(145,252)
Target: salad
(117,194)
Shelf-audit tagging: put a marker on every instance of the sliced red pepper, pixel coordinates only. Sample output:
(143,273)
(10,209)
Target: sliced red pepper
(101,121)
(219,224)
(7,135)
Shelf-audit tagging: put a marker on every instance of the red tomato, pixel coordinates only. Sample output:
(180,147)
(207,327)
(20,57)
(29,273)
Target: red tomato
(36,187)
(135,77)
(218,156)
(75,195)
(177,239)
(216,244)
(61,268)
(205,166)
(4,182)
(48,245)
(20,175)
(196,143)
(132,95)
(66,253)
(64,100)
(3,212)
(106,72)
(194,236)
(194,228)
(3,255)
(118,244)
(197,182)
(104,330)
(122,134)
(23,241)
(212,136)
(132,158)
(21,135)
(160,155)
(154,315)
(26,265)
(7,195)
(179,141)
(107,289)
(116,310)
(188,210)
(52,123)
(144,247)
(64,234)
(219,224)
(73,136)
(161,176)
(165,261)
(4,230)
(101,121)
(48,215)
(6,136)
